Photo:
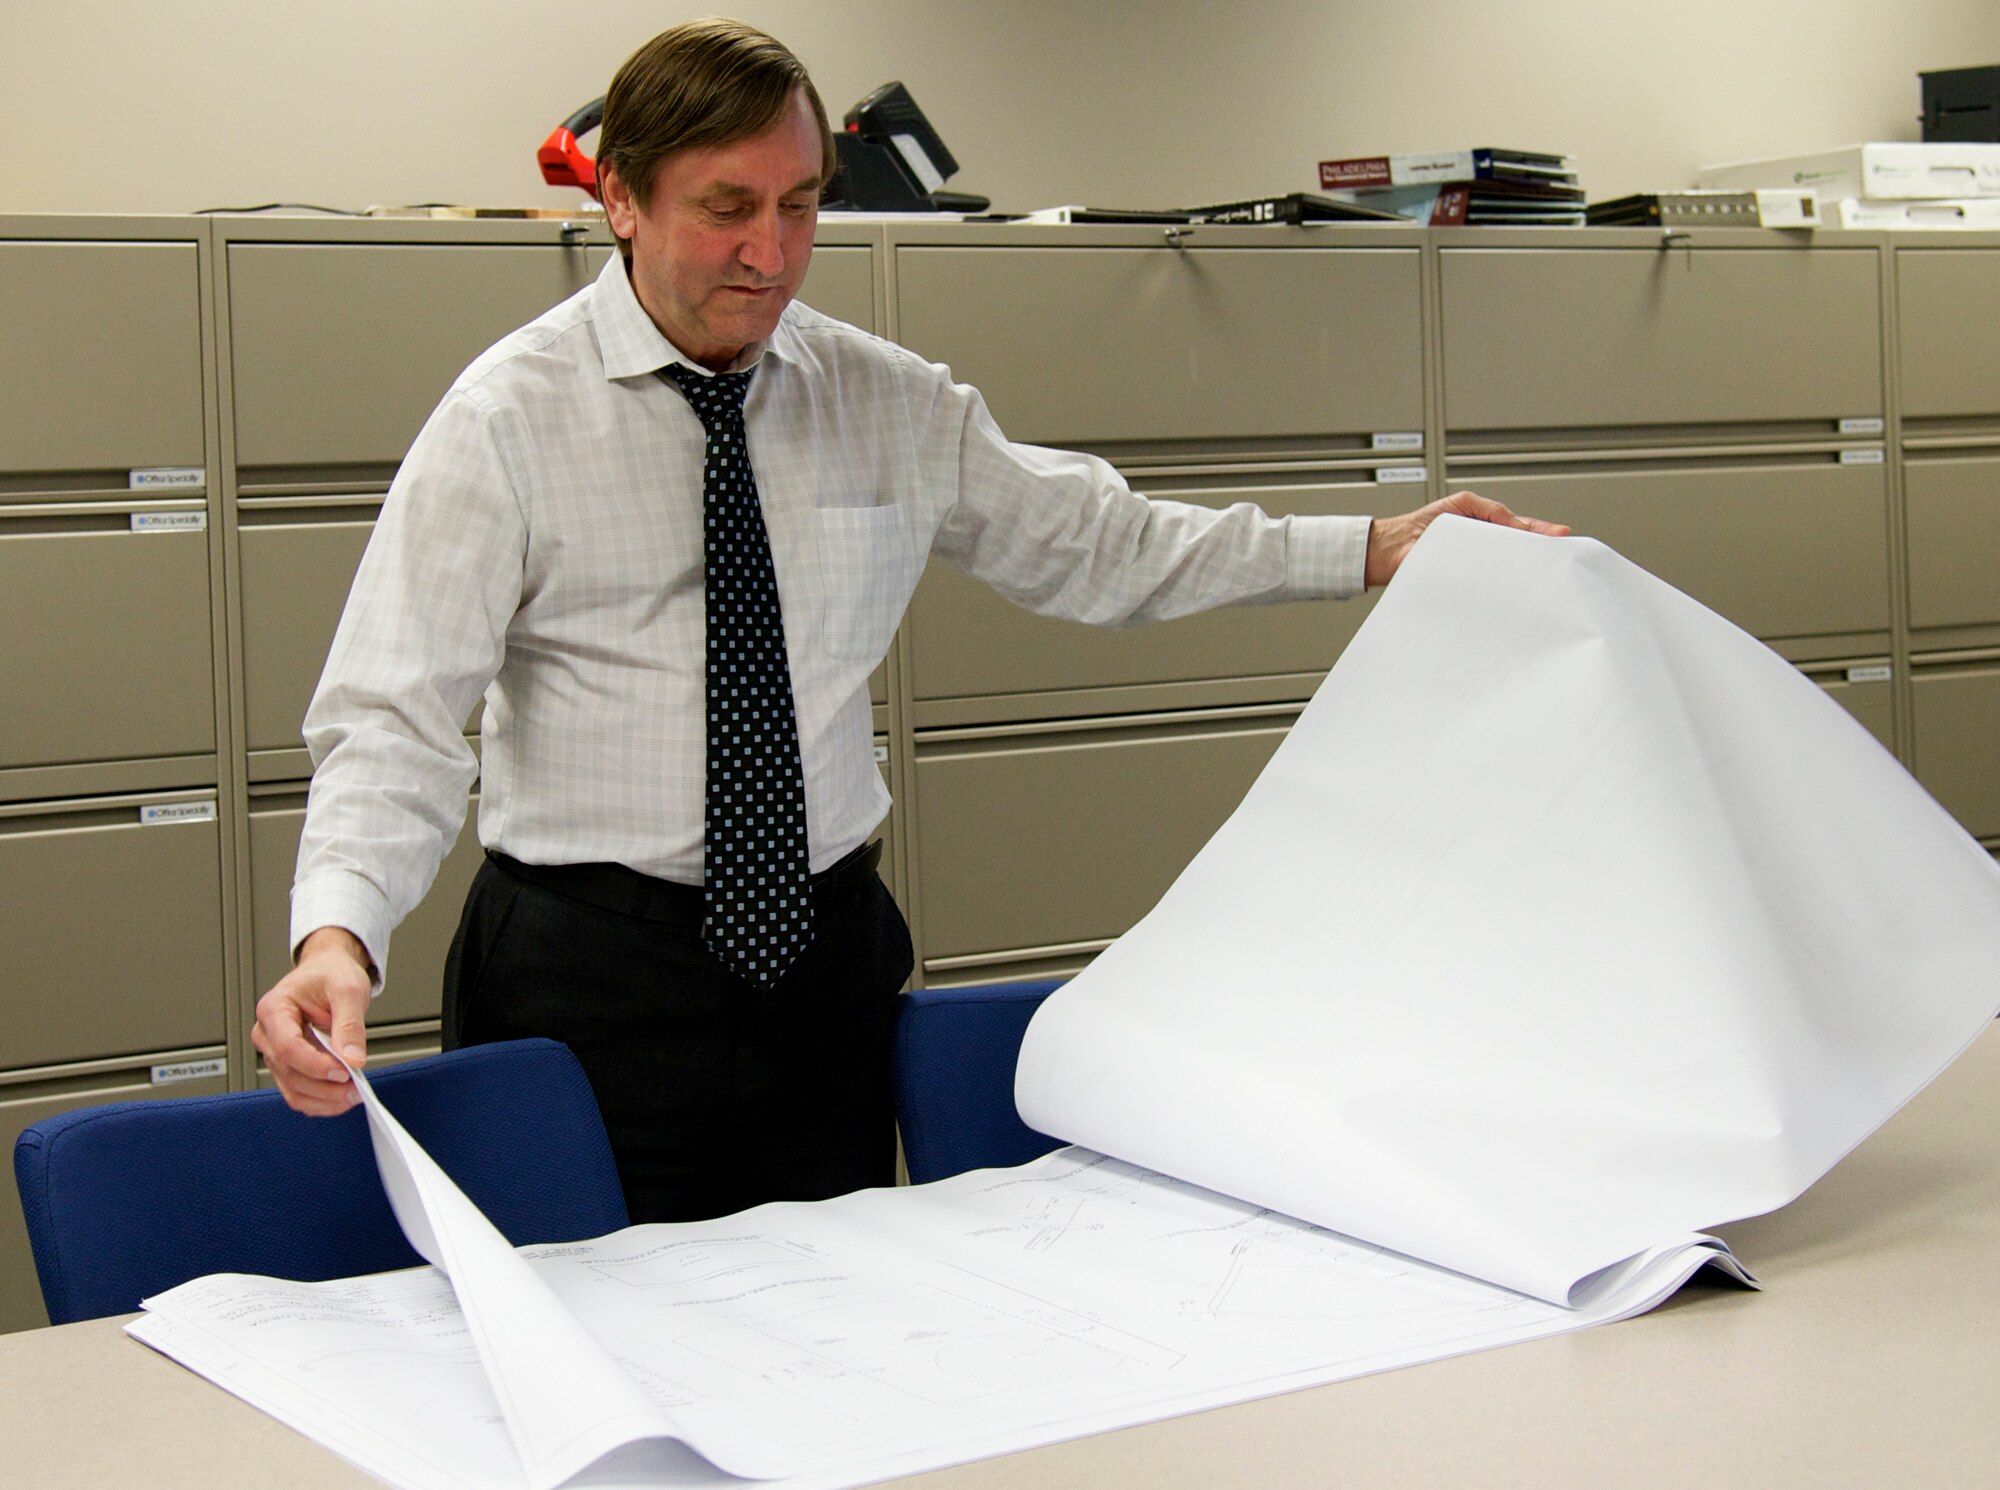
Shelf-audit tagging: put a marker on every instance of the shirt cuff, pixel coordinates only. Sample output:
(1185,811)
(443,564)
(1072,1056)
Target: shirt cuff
(1326,558)
(336,897)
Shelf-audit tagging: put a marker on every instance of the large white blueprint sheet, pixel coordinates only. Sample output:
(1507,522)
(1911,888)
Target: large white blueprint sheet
(1567,921)
(1568,917)
(833,1344)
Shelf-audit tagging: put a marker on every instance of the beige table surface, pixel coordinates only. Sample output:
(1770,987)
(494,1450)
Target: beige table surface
(1871,1359)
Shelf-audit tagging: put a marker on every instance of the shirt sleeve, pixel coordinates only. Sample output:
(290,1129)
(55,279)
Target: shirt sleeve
(1063,534)
(421,637)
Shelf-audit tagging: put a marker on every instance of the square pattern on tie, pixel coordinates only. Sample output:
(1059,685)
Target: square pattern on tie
(756,881)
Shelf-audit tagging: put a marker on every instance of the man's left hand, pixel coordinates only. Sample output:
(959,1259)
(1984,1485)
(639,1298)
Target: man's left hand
(1391,538)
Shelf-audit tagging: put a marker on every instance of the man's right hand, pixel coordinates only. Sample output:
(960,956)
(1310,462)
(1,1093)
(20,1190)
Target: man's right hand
(328,988)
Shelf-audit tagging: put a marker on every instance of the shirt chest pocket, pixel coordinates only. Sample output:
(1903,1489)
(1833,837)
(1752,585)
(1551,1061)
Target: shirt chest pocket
(868,568)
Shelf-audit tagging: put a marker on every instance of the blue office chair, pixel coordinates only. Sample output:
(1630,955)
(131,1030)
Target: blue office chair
(126,1200)
(953,1070)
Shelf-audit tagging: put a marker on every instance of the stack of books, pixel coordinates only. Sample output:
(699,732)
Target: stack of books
(1521,188)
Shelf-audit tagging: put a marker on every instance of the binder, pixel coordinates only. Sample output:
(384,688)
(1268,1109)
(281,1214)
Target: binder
(1483,164)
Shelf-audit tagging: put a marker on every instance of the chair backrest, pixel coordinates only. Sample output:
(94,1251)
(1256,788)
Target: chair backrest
(129,1199)
(954,1058)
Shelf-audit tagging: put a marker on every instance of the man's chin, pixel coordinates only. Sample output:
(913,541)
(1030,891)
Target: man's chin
(752,318)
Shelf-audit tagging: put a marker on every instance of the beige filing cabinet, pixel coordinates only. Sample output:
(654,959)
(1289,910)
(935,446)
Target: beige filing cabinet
(1947,304)
(1802,432)
(1041,843)
(113,964)
(1957,706)
(1713,410)
(1286,371)
(1711,405)
(105,538)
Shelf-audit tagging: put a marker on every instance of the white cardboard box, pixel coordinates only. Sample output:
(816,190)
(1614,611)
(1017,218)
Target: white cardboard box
(1975,213)
(1787,207)
(1878,172)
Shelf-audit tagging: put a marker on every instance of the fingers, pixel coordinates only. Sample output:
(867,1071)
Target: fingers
(327,990)
(303,1091)
(1485,509)
(299,1067)
(1390,539)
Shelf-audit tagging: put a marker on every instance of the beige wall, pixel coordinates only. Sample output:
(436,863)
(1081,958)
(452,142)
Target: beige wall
(157,106)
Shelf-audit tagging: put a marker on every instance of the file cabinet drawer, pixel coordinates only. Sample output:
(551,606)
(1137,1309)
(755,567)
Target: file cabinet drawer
(1953,513)
(296,576)
(965,641)
(1046,840)
(112,941)
(1958,743)
(295,582)
(1947,304)
(1566,338)
(109,651)
(339,352)
(841,284)
(1783,550)
(417,950)
(100,361)
(1099,345)
(21,1108)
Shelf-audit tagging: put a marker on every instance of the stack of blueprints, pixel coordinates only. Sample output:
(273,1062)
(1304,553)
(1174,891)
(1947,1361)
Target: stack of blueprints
(1568,921)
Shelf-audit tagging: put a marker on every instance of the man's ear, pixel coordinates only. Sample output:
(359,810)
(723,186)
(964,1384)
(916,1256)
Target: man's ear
(620,211)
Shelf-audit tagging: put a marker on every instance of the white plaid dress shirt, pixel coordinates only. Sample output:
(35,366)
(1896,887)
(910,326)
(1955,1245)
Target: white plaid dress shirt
(542,546)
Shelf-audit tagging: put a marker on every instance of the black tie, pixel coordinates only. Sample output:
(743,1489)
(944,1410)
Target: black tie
(756,880)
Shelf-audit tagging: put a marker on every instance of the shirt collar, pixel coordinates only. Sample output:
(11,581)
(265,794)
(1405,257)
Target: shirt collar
(633,346)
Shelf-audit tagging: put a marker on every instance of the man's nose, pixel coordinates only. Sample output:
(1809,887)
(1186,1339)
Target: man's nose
(763,249)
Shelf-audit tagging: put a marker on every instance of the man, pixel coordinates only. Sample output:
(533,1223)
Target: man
(668,531)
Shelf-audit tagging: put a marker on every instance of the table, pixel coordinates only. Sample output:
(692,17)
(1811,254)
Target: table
(1871,1358)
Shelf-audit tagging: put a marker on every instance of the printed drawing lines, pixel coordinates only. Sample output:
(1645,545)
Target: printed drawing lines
(1050,1219)
(687,1264)
(856,1358)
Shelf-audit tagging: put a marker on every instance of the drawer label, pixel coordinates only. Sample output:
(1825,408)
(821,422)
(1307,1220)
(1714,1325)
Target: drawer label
(1877,672)
(178,812)
(1874,457)
(168,478)
(1399,475)
(190,1071)
(1872,424)
(881,755)
(1397,440)
(170,522)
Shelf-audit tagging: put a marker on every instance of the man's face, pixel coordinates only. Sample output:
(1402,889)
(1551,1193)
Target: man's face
(723,246)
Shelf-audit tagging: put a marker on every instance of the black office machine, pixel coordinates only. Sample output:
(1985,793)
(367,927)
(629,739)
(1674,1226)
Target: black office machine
(892,160)
(1962,104)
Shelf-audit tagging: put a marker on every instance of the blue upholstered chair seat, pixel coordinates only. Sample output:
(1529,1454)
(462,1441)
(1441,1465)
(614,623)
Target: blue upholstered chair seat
(129,1199)
(954,1059)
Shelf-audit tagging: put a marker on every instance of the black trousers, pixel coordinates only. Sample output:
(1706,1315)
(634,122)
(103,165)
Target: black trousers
(717,1094)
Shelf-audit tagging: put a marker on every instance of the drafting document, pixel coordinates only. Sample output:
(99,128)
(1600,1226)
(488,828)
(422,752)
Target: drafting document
(1567,918)
(837,1343)
(1512,925)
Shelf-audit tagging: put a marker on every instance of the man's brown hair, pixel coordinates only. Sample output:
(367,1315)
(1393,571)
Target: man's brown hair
(696,86)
